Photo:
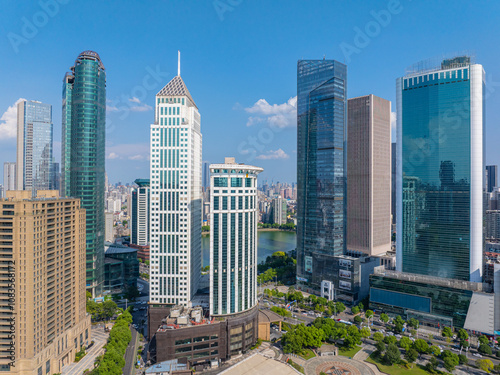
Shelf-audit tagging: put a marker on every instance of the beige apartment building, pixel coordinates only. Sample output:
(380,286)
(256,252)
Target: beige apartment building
(43,320)
(369,175)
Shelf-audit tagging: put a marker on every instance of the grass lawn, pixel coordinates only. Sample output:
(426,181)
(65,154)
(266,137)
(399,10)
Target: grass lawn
(349,352)
(398,369)
(307,354)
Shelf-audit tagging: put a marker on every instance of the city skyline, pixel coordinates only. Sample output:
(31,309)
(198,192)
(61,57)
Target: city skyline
(246,95)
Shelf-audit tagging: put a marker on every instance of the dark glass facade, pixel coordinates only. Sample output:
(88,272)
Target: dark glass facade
(437,169)
(432,303)
(321,135)
(83,154)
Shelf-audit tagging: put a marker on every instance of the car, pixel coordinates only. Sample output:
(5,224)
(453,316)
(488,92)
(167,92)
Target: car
(390,333)
(455,349)
(412,338)
(440,347)
(477,355)
(398,337)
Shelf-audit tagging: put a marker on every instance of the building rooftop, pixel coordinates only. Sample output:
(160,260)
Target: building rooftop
(166,367)
(425,279)
(176,87)
(119,249)
(440,63)
(142,182)
(268,316)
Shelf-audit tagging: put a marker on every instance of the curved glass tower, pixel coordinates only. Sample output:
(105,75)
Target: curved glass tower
(83,154)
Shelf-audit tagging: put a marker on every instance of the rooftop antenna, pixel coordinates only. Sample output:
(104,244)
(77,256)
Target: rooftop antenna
(179,63)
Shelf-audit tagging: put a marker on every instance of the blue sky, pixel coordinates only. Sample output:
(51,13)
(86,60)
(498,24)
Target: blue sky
(238,60)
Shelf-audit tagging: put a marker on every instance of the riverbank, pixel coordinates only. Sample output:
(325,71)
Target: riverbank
(260,230)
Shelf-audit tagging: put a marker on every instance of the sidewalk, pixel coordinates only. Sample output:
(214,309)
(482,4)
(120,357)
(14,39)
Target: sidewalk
(100,338)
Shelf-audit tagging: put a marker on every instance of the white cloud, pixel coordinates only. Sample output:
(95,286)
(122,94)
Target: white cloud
(111,108)
(135,100)
(274,155)
(141,108)
(130,151)
(8,121)
(276,115)
(136,157)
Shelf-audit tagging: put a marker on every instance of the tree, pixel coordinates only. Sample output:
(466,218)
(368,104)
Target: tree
(399,320)
(108,309)
(369,314)
(355,310)
(365,332)
(132,292)
(434,350)
(411,355)
(398,327)
(483,340)
(380,347)
(353,337)
(485,365)
(292,342)
(361,306)
(414,323)
(421,346)
(484,349)
(390,339)
(462,334)
(377,336)
(432,365)
(358,319)
(446,332)
(462,359)
(405,343)
(384,317)
(392,354)
(450,360)
(339,307)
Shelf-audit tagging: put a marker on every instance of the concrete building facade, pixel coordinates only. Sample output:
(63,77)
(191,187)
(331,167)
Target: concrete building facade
(369,175)
(42,258)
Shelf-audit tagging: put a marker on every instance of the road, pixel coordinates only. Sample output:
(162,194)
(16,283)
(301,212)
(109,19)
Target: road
(100,338)
(130,354)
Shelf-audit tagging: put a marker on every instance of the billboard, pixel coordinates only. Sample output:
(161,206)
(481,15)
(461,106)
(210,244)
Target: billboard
(345,274)
(308,267)
(345,263)
(344,285)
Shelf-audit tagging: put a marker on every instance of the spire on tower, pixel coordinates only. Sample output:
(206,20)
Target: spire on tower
(178,63)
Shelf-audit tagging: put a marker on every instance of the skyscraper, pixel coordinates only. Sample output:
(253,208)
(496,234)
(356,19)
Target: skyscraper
(9,176)
(233,237)
(369,175)
(140,213)
(491,177)
(321,135)
(176,199)
(34,146)
(206,175)
(440,170)
(44,322)
(83,152)
(393,182)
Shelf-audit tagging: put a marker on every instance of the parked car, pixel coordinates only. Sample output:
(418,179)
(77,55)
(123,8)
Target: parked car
(477,355)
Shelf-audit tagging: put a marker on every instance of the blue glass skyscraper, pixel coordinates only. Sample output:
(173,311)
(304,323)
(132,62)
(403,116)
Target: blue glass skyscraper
(440,170)
(321,139)
(34,146)
(83,153)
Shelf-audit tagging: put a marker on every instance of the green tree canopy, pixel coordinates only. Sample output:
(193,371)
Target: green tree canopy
(411,355)
(377,336)
(421,346)
(485,365)
(447,332)
(392,354)
(384,317)
(405,343)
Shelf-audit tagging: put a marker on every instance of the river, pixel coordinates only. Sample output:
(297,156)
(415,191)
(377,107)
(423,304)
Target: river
(268,243)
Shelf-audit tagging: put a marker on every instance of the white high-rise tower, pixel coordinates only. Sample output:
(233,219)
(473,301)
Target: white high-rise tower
(176,198)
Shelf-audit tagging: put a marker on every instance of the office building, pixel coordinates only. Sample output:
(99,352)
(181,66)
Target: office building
(278,210)
(2,192)
(109,232)
(206,175)
(491,177)
(121,268)
(321,135)
(9,176)
(393,182)
(83,152)
(492,221)
(176,201)
(369,175)
(44,324)
(233,237)
(34,146)
(440,130)
(140,213)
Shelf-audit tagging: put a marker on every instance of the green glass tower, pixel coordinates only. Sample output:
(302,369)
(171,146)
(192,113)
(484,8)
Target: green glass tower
(83,154)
